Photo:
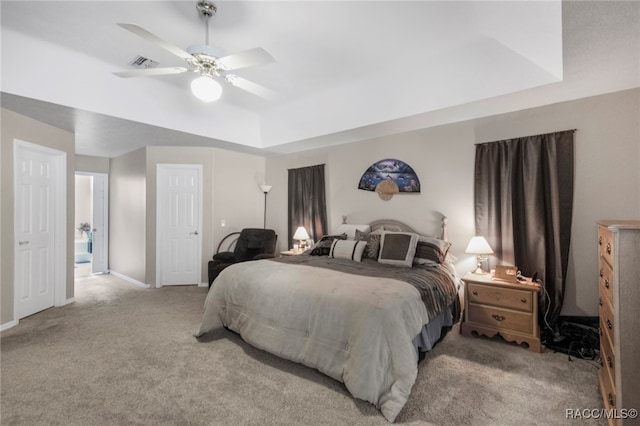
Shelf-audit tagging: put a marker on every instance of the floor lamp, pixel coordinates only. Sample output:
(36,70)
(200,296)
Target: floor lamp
(265,189)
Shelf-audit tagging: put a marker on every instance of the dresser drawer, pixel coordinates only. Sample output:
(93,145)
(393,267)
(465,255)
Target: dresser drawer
(605,279)
(500,297)
(608,359)
(501,318)
(605,244)
(607,324)
(607,390)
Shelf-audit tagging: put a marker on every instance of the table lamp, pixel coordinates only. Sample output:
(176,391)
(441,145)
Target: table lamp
(479,246)
(302,235)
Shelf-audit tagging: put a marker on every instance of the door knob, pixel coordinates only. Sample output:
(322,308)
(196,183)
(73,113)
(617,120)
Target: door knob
(194,233)
(22,243)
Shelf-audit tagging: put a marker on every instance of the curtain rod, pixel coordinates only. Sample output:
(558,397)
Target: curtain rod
(529,136)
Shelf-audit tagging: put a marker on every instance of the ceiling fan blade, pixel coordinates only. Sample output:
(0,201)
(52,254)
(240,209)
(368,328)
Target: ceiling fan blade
(139,31)
(250,86)
(247,58)
(149,72)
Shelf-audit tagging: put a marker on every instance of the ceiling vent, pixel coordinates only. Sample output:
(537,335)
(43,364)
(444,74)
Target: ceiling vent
(140,62)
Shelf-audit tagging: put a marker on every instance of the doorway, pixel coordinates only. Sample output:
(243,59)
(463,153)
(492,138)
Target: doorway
(91,233)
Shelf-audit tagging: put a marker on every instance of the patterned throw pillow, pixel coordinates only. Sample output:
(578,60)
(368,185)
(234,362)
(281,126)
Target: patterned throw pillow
(323,246)
(431,250)
(372,248)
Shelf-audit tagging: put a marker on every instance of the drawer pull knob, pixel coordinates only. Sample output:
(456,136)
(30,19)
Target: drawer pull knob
(608,248)
(600,301)
(609,361)
(523,300)
(601,273)
(475,293)
(610,398)
(599,241)
(498,317)
(609,325)
(606,282)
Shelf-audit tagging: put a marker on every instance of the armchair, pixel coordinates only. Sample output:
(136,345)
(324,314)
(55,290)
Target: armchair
(252,244)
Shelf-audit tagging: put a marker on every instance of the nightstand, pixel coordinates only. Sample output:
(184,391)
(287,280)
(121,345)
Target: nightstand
(493,306)
(291,252)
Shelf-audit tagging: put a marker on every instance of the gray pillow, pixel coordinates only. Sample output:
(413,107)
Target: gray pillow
(398,248)
(372,249)
(431,249)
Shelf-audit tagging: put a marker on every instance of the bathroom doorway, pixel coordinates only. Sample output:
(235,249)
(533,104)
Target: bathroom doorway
(91,223)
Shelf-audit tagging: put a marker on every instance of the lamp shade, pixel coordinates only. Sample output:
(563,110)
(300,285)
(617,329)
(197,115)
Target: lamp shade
(301,234)
(478,245)
(265,188)
(206,89)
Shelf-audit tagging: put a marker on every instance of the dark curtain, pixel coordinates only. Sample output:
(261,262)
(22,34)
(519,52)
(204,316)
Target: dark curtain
(307,201)
(523,206)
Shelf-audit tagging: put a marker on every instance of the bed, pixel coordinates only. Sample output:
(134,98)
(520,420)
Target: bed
(361,320)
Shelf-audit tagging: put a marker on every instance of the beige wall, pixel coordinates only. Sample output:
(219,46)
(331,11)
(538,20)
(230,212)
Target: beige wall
(230,192)
(85,163)
(128,215)
(607,172)
(16,126)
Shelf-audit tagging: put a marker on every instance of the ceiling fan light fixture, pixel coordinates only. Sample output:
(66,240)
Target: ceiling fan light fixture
(206,89)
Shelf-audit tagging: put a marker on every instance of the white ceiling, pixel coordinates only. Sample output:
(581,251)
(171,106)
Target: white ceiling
(344,70)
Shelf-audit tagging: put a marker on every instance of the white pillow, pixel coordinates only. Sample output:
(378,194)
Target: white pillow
(350,230)
(398,248)
(347,249)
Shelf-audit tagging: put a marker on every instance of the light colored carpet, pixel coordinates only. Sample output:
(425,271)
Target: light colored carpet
(125,355)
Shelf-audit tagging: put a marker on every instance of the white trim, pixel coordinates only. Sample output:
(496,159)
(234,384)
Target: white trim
(203,285)
(129,279)
(69,301)
(160,220)
(60,217)
(8,325)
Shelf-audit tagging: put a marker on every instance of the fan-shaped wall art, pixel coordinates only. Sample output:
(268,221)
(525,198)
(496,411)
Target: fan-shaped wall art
(388,177)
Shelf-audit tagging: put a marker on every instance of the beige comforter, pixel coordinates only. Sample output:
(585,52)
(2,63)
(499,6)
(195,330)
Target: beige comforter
(355,329)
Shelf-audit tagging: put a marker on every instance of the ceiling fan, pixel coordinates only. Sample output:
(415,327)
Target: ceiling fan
(205,60)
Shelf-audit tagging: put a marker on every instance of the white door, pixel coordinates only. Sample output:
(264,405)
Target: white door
(38,189)
(179,248)
(100,233)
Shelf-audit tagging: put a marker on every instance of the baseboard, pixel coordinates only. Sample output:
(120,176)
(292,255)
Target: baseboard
(203,285)
(70,300)
(8,325)
(129,279)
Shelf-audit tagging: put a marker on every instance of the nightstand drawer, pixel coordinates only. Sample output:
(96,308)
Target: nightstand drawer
(501,318)
(606,279)
(500,297)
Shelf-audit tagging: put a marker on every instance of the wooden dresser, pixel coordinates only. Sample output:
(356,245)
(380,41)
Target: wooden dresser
(493,306)
(619,299)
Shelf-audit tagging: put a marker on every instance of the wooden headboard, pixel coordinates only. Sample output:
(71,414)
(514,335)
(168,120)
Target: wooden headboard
(397,226)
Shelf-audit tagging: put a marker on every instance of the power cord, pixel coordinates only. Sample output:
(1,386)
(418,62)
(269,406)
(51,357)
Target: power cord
(592,357)
(548,299)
